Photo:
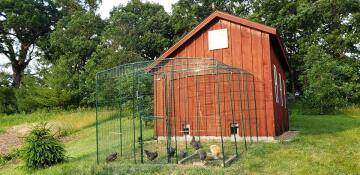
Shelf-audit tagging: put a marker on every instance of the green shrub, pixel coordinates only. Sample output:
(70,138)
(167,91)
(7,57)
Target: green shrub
(41,148)
(328,83)
(7,100)
(64,131)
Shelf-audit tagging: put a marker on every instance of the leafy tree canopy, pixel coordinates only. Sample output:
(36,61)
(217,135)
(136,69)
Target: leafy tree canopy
(188,13)
(143,28)
(22,25)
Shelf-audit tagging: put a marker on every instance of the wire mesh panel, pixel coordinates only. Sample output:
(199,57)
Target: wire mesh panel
(175,111)
(121,97)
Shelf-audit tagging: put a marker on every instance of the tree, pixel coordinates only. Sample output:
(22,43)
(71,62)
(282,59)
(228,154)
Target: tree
(326,81)
(331,25)
(144,28)
(23,24)
(109,53)
(72,44)
(188,13)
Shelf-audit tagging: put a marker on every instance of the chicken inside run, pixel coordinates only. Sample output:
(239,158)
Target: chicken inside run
(182,111)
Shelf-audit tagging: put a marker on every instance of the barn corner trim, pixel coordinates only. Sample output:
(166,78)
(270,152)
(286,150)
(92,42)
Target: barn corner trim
(229,17)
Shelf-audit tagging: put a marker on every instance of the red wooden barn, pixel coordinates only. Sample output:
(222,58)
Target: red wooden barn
(239,43)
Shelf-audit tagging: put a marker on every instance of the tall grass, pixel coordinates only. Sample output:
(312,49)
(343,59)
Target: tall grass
(327,144)
(77,118)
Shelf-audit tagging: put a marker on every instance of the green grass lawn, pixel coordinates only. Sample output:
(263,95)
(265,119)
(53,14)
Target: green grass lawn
(327,144)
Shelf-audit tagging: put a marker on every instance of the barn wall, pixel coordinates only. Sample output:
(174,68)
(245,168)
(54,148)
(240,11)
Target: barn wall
(281,109)
(249,49)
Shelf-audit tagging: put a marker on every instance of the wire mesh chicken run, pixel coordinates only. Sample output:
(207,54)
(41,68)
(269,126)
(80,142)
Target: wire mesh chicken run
(175,111)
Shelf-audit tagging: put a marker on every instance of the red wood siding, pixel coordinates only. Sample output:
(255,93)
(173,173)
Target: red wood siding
(250,50)
(280,107)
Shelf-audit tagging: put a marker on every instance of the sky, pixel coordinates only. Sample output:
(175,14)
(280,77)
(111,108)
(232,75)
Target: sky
(104,12)
(107,5)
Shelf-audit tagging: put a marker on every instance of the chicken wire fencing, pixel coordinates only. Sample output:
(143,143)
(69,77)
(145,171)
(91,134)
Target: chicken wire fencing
(177,110)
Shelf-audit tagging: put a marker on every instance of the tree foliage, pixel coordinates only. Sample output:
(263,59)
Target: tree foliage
(72,44)
(332,27)
(23,24)
(188,13)
(143,28)
(327,81)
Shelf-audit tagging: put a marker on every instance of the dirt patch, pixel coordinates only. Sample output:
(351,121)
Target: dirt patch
(13,137)
(288,136)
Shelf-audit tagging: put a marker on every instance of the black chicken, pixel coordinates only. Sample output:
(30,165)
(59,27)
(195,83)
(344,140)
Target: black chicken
(202,155)
(151,155)
(182,154)
(195,144)
(111,157)
(171,151)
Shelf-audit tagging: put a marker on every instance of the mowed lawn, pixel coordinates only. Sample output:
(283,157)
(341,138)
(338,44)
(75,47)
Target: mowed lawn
(327,144)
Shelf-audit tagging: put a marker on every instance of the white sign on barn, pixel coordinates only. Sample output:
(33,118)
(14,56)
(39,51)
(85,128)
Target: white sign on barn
(218,39)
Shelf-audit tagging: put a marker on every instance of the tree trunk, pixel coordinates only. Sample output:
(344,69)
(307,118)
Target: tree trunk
(19,65)
(17,77)
(293,82)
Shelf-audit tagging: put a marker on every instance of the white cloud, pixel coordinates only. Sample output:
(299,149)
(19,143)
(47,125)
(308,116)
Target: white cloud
(107,5)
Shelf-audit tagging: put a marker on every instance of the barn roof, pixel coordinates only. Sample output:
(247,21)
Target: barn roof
(235,19)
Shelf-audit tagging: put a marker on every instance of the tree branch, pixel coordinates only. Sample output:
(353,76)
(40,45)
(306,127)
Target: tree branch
(3,15)
(11,52)
(7,33)
(27,61)
(5,52)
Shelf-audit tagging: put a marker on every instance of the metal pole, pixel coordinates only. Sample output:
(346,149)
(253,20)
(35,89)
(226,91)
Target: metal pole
(241,108)
(197,103)
(186,103)
(256,120)
(174,117)
(155,110)
(133,112)
(139,111)
(232,109)
(97,115)
(248,107)
(121,133)
(220,123)
(165,109)
(167,120)
(183,101)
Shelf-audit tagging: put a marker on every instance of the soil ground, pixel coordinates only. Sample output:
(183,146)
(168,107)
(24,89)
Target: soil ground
(13,137)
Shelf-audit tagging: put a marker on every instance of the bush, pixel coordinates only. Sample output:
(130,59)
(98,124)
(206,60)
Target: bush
(42,149)
(63,132)
(328,82)
(7,100)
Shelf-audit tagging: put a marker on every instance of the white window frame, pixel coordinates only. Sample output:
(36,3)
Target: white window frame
(276,84)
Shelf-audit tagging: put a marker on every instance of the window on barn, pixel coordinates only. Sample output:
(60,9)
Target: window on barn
(285,98)
(186,129)
(276,84)
(281,89)
(234,128)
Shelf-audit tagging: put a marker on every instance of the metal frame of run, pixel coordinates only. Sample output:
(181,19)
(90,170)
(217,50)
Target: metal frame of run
(166,106)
